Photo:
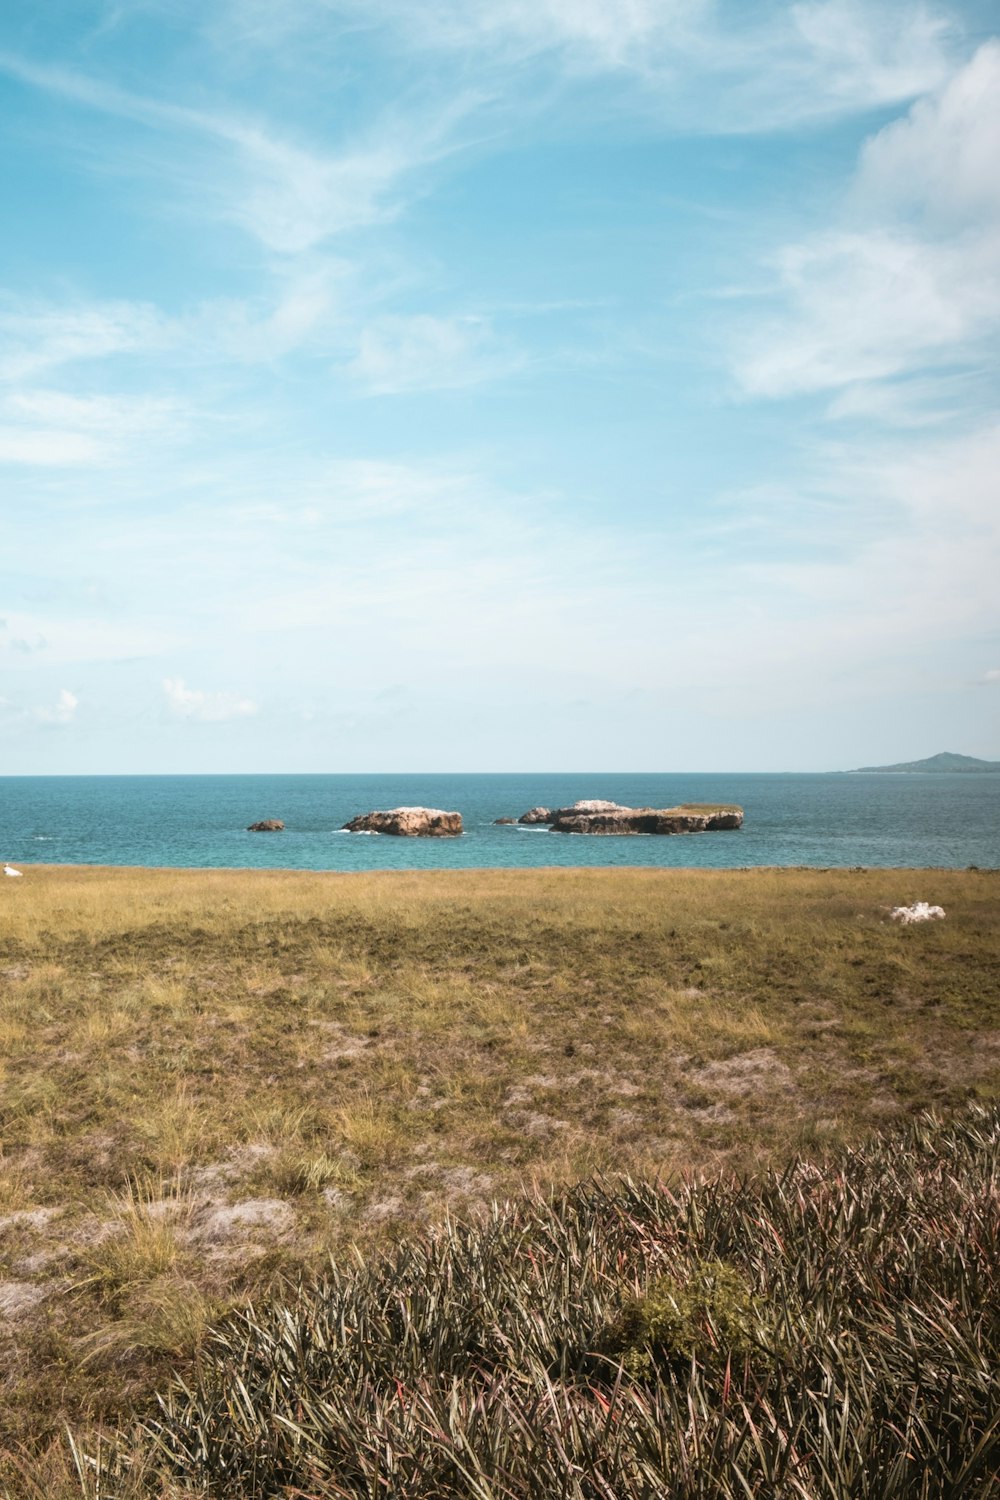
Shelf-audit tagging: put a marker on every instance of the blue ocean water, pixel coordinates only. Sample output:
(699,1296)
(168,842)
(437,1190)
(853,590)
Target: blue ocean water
(200,821)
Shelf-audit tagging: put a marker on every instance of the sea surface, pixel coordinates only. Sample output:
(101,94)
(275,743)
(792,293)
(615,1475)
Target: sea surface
(200,821)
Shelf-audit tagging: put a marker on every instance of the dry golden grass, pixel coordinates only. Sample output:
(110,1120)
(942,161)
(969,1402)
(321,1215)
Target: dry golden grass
(213,1079)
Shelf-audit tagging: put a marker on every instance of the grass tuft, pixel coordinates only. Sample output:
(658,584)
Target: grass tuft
(141,1242)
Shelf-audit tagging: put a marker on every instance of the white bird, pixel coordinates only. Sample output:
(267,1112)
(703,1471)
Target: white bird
(9,870)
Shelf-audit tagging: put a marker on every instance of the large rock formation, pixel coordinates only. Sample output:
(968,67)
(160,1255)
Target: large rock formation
(609,817)
(408,822)
(266,825)
(537,815)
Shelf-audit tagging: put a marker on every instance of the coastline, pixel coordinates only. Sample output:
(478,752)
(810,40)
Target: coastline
(526,871)
(816,821)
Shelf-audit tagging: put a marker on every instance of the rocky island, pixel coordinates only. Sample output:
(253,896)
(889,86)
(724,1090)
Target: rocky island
(610,818)
(266,825)
(408,822)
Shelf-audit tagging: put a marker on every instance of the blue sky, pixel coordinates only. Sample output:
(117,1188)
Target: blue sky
(498,384)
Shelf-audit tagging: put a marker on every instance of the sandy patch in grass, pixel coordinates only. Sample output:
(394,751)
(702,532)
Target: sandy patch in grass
(18,1299)
(221,1226)
(759,1071)
(27,1219)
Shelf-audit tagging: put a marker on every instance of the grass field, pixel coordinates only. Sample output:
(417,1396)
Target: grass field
(211,1080)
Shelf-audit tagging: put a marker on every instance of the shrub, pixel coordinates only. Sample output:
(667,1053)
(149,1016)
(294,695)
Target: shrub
(708,1315)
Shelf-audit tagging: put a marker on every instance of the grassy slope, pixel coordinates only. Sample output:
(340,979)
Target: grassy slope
(212,1078)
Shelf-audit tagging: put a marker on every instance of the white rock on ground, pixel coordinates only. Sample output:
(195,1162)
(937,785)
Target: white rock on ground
(920,911)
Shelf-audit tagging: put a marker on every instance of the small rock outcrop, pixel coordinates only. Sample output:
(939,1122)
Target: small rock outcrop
(267,825)
(408,822)
(598,817)
(505,821)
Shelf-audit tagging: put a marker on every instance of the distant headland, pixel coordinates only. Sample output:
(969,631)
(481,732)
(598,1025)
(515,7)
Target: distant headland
(946,761)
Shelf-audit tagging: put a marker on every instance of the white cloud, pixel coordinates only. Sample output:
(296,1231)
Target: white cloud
(915,402)
(861,54)
(62,711)
(911,279)
(206,708)
(42,448)
(869,305)
(941,159)
(992,676)
(365,490)
(53,429)
(98,414)
(424,353)
(37,340)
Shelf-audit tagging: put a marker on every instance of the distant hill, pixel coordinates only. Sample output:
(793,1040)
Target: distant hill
(946,761)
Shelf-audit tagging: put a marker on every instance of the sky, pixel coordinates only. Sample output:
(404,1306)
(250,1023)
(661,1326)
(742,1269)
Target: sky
(498,385)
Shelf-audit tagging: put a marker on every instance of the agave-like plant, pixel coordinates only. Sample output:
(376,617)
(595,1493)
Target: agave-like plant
(825,1333)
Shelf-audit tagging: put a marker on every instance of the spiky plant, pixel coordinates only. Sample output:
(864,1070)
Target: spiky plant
(824,1333)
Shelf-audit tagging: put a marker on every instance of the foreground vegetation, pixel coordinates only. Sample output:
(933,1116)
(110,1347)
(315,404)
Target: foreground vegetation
(212,1081)
(819,1335)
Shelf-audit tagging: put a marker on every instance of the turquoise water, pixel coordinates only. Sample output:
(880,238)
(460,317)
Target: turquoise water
(822,820)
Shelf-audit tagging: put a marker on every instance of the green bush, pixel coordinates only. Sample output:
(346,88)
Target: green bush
(708,1315)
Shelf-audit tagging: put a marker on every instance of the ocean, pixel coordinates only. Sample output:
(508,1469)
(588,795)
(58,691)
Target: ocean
(200,821)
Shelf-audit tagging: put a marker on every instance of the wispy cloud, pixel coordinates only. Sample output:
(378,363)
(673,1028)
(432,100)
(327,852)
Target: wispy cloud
(288,196)
(36,337)
(39,447)
(607,33)
(205,707)
(710,65)
(306,309)
(424,353)
(870,305)
(55,429)
(767,67)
